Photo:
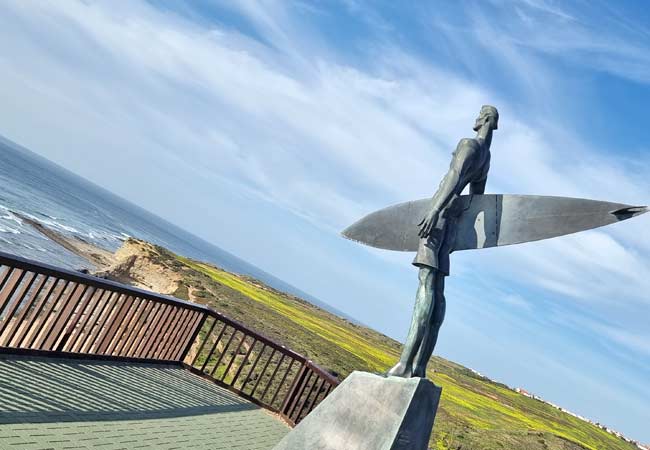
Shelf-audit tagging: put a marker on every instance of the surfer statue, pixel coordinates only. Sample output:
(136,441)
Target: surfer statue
(469,167)
(450,222)
(367,411)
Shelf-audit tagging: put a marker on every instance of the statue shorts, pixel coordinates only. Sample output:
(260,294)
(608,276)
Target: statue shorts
(434,250)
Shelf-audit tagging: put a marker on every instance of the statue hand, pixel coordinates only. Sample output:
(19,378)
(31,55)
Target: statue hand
(426,225)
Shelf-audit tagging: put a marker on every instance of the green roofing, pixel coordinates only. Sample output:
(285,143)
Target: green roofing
(48,403)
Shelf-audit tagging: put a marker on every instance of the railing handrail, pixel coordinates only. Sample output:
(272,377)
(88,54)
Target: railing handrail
(97,282)
(322,372)
(127,326)
(267,340)
(91,280)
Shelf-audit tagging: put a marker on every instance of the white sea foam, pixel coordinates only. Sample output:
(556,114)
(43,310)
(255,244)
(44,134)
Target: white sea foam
(59,225)
(66,227)
(12,217)
(101,235)
(9,230)
(52,223)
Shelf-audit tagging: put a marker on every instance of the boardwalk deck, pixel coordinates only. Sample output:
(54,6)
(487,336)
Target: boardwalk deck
(55,404)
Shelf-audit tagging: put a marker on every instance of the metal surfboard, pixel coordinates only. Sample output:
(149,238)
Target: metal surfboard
(491,221)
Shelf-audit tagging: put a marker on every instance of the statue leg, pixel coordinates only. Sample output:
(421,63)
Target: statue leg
(431,335)
(421,318)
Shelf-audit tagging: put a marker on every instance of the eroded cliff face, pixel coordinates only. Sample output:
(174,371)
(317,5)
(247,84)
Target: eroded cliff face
(142,265)
(138,263)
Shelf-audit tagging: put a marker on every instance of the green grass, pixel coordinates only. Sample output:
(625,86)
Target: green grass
(474,413)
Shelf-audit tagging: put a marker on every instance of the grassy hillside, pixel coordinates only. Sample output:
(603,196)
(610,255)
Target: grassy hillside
(474,413)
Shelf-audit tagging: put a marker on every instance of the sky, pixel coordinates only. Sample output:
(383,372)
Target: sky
(267,127)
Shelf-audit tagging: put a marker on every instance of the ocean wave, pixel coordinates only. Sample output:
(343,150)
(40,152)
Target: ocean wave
(12,217)
(48,216)
(9,230)
(52,223)
(100,235)
(68,228)
(37,248)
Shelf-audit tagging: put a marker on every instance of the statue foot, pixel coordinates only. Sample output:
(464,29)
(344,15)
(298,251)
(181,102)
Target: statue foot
(420,372)
(400,370)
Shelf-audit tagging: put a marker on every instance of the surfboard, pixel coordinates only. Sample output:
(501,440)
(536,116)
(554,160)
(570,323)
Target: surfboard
(491,220)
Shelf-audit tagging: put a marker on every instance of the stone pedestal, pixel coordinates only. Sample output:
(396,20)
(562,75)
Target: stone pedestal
(369,412)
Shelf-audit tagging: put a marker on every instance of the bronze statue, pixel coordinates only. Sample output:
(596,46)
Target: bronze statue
(469,166)
(451,221)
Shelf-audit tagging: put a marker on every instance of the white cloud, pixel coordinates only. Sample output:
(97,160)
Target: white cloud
(249,134)
(595,36)
(328,143)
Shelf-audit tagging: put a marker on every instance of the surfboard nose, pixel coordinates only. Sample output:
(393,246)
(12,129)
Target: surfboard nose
(346,233)
(353,232)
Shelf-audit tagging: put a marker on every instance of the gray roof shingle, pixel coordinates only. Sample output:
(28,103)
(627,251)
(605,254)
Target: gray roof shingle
(48,403)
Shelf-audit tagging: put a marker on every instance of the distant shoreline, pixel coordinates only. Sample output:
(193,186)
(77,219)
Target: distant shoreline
(101,260)
(98,257)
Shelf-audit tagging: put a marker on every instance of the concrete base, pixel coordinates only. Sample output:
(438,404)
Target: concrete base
(369,412)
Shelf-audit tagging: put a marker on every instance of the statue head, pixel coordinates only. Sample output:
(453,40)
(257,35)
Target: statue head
(488,116)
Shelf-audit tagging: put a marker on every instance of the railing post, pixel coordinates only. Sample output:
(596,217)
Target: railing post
(192,338)
(293,390)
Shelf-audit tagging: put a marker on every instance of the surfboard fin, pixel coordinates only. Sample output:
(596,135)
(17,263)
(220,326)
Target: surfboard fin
(628,212)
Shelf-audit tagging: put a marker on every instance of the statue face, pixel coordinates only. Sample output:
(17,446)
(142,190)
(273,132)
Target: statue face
(481,120)
(485,116)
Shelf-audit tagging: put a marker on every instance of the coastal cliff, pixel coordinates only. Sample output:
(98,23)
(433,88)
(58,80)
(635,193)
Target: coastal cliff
(142,265)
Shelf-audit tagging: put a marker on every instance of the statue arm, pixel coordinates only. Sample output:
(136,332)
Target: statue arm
(478,187)
(451,184)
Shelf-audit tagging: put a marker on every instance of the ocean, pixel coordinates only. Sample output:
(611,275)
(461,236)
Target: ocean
(36,188)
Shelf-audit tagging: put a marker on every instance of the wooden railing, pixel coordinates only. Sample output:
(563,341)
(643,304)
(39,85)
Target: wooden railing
(257,368)
(51,311)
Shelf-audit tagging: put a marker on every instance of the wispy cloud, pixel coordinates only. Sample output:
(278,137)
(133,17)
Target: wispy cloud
(267,140)
(594,35)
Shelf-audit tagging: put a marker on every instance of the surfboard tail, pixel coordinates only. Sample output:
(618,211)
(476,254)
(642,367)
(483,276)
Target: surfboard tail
(629,212)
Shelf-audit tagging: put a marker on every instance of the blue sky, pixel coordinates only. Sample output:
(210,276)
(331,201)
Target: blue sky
(267,127)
